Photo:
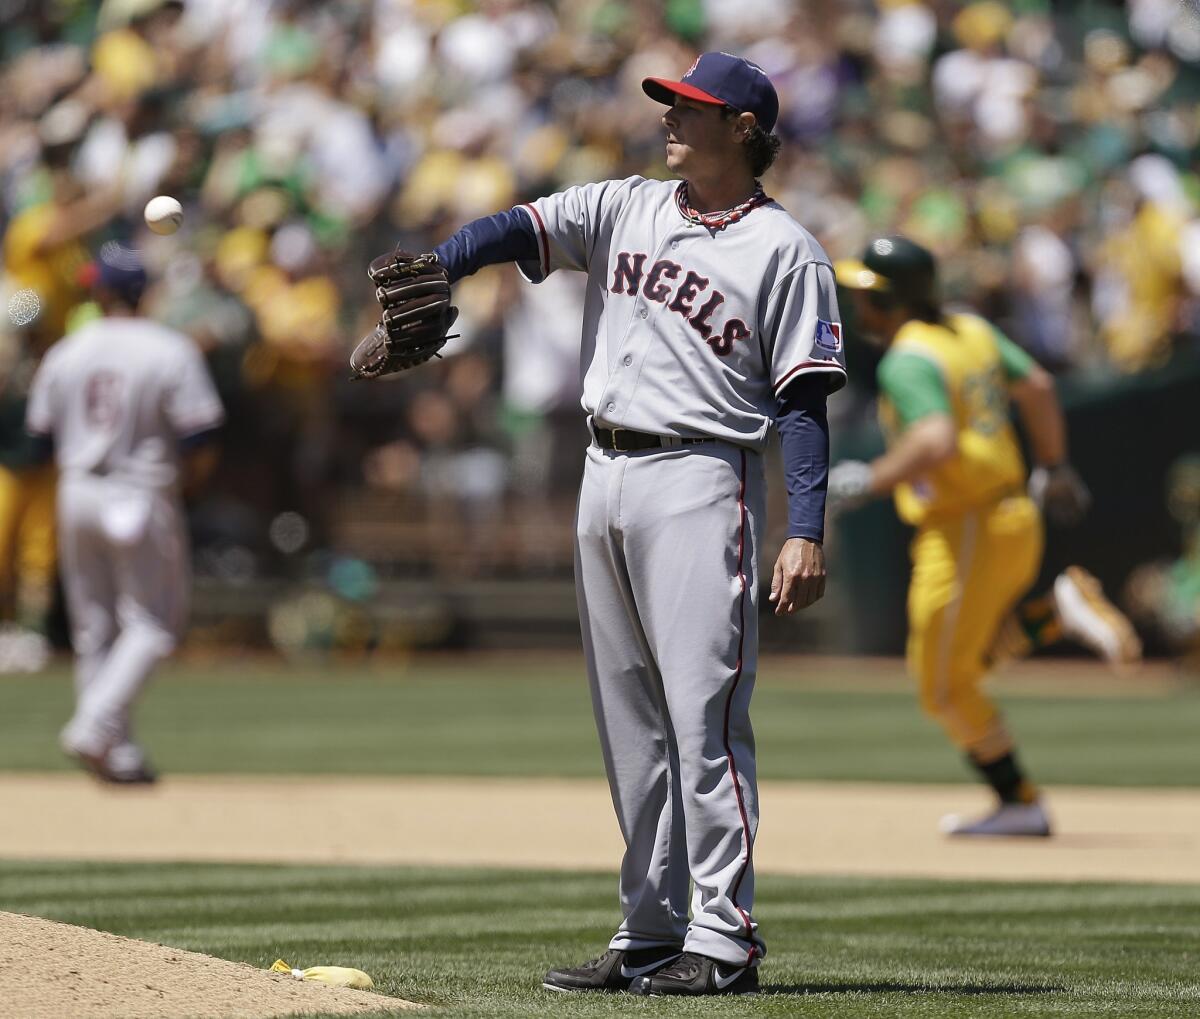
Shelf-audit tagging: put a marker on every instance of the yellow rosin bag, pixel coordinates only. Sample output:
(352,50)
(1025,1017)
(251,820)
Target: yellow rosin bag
(336,976)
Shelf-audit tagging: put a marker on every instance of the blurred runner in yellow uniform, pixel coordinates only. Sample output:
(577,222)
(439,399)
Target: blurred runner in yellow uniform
(957,475)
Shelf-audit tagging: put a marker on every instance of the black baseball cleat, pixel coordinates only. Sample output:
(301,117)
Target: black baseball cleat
(697,974)
(145,775)
(615,970)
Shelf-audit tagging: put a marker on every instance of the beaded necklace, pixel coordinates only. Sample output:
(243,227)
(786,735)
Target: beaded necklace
(718,220)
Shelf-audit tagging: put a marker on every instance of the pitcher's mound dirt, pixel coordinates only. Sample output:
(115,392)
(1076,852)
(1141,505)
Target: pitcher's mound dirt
(49,970)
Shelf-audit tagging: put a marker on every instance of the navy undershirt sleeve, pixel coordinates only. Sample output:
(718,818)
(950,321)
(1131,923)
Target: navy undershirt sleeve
(804,437)
(505,237)
(197,440)
(40,448)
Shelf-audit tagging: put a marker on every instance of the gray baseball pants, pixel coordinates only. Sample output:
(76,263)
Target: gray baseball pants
(126,575)
(666,579)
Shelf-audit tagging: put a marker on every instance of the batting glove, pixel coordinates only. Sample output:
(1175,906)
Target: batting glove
(1060,493)
(849,486)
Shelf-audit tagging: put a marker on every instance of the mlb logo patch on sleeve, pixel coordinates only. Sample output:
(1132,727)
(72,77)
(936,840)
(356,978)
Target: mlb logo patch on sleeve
(829,336)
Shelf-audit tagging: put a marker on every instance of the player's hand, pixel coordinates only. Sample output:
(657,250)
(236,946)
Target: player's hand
(849,486)
(799,578)
(1060,493)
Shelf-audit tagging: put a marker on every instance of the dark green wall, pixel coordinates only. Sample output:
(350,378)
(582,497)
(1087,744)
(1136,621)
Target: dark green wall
(1124,432)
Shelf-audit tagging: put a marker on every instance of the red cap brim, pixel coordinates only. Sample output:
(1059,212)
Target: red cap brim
(87,275)
(663,90)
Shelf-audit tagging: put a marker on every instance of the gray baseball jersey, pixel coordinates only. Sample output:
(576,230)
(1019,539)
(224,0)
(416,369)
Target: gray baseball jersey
(690,331)
(118,396)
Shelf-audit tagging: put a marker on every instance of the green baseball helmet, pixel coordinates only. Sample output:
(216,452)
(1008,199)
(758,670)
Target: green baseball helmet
(895,266)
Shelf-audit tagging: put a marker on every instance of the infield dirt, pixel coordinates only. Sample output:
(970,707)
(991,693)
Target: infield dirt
(50,970)
(807,827)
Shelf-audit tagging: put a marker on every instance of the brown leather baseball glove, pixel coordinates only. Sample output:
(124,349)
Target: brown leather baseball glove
(414,293)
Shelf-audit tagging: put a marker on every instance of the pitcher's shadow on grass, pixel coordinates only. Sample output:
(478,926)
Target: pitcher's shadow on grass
(898,987)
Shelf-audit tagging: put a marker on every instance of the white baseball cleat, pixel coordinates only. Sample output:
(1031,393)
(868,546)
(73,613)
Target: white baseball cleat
(1090,618)
(1011,819)
(85,746)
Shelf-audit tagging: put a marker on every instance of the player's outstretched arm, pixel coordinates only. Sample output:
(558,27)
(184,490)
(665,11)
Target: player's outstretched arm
(413,291)
(505,237)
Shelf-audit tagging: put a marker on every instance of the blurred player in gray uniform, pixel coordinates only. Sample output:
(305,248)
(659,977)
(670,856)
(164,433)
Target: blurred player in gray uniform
(709,316)
(128,410)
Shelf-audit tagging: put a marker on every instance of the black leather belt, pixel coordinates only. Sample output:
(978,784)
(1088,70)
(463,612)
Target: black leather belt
(623,440)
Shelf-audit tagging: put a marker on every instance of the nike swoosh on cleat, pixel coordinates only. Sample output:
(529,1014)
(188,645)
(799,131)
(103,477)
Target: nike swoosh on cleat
(723,982)
(633,974)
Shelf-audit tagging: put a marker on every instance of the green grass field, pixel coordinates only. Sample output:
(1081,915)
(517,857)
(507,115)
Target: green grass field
(460,716)
(475,943)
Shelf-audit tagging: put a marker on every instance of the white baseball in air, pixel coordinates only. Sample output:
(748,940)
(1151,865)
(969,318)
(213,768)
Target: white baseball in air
(163,214)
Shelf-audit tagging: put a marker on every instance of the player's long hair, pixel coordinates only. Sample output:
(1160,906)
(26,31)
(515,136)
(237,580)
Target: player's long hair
(761,148)
(923,309)
(928,311)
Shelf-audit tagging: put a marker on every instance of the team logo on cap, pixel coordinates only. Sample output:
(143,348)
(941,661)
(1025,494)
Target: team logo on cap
(742,60)
(690,70)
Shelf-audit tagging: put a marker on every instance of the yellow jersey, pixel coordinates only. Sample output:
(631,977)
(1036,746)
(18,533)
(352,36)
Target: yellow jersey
(961,368)
(53,275)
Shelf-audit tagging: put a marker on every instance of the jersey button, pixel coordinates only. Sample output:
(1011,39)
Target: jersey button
(643,313)
(628,360)
(674,245)
(611,407)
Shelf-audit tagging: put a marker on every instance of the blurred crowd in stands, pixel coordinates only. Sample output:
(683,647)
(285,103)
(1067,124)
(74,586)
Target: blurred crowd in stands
(1045,151)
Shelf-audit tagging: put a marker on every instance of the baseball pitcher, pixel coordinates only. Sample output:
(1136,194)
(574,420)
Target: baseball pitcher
(710,316)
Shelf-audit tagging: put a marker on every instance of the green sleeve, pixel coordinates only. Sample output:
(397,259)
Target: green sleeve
(1015,362)
(915,386)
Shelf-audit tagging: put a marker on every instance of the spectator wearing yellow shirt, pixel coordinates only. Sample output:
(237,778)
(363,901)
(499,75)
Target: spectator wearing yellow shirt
(43,254)
(43,246)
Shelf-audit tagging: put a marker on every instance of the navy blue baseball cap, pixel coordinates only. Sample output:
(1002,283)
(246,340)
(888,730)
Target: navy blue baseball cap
(724,80)
(120,269)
